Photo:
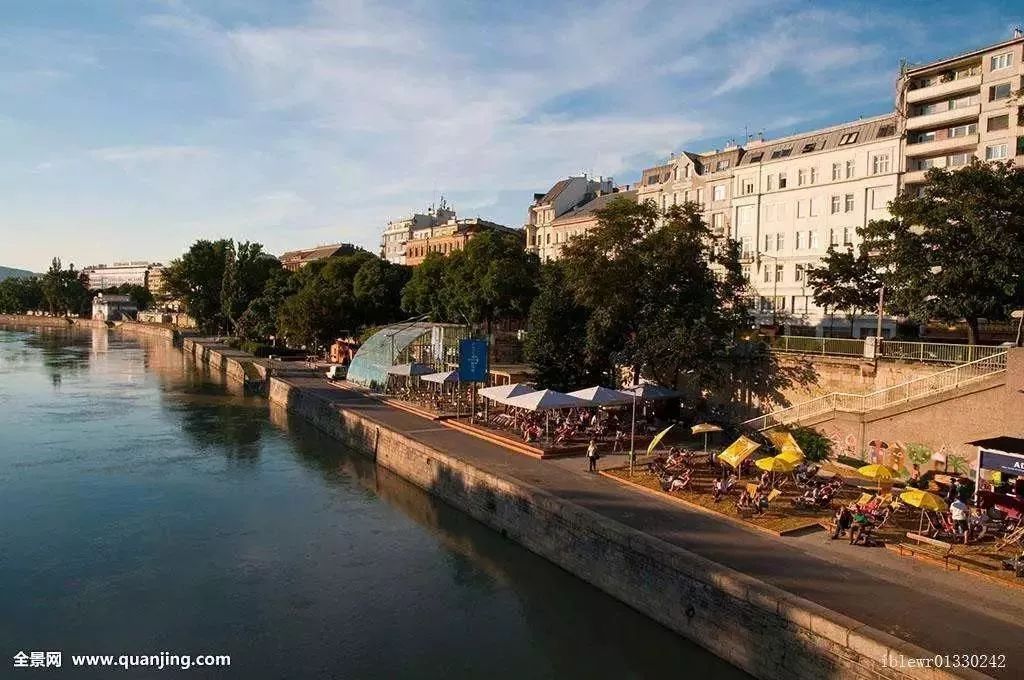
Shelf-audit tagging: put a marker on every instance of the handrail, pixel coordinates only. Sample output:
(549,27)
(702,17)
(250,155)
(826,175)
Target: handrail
(942,381)
(930,352)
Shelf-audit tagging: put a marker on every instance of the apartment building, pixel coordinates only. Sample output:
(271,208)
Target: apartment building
(102,276)
(795,197)
(398,232)
(447,238)
(957,108)
(567,195)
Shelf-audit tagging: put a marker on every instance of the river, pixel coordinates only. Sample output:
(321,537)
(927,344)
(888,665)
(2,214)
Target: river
(145,507)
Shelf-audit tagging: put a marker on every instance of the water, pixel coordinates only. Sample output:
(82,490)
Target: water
(145,508)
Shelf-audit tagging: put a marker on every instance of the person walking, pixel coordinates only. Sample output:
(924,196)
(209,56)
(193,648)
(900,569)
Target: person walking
(592,456)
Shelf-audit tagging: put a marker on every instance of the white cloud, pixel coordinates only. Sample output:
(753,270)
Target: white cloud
(149,154)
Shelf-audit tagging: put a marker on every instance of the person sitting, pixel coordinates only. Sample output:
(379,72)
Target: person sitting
(760,503)
(679,483)
(843,520)
(860,530)
(745,501)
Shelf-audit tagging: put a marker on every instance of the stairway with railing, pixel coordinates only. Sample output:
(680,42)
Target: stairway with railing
(893,350)
(942,381)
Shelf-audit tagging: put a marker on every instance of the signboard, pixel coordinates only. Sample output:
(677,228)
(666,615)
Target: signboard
(1004,462)
(473,361)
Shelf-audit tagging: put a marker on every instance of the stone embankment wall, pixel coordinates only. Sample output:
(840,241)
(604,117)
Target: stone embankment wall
(826,374)
(129,327)
(755,626)
(238,366)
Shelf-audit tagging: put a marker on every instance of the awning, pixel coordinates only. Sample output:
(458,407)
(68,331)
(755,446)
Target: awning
(502,392)
(602,396)
(546,400)
(442,377)
(410,369)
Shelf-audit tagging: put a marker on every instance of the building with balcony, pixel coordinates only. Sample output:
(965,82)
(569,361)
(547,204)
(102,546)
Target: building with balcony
(398,232)
(795,197)
(448,237)
(103,276)
(962,107)
(561,199)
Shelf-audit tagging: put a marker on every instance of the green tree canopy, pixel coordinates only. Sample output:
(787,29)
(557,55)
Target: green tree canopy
(19,295)
(64,290)
(954,251)
(845,281)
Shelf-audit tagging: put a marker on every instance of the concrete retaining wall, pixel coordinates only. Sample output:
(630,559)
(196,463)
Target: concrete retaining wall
(755,626)
(238,366)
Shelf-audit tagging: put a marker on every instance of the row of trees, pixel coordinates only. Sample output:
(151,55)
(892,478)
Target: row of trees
(954,252)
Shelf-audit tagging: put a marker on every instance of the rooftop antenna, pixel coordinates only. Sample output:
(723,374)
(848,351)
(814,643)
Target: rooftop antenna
(1017,32)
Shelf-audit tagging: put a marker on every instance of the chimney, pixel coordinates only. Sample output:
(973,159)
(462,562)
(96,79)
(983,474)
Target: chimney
(1017,32)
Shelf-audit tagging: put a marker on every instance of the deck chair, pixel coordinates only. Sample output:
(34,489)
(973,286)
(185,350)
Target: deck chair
(865,498)
(752,490)
(1009,539)
(773,494)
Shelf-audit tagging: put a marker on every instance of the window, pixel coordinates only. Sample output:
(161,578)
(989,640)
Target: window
(999,92)
(801,304)
(835,205)
(718,222)
(756,158)
(767,274)
(799,244)
(809,147)
(813,239)
(963,102)
(801,177)
(963,130)
(780,241)
(547,239)
(779,270)
(849,169)
(836,170)
(832,237)
(848,204)
(879,163)
(958,159)
(800,209)
(675,197)
(996,152)
(700,197)
(922,137)
(721,165)
(886,131)
(686,196)
(781,153)
(748,186)
(771,182)
(782,180)
(1001,61)
(768,242)
(846,237)
(798,273)
(745,271)
(999,122)
(848,138)
(814,174)
(719,192)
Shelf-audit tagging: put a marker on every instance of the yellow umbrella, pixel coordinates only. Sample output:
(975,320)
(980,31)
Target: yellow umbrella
(794,456)
(705,428)
(738,451)
(775,464)
(657,439)
(877,472)
(919,498)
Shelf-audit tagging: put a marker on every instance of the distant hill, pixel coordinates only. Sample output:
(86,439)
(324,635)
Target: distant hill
(11,273)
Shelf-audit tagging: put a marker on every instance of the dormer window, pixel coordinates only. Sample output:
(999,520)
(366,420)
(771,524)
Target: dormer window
(782,153)
(809,147)
(848,138)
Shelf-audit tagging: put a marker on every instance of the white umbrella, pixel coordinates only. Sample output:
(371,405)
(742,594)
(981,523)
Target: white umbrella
(410,369)
(647,392)
(546,400)
(442,377)
(602,396)
(503,392)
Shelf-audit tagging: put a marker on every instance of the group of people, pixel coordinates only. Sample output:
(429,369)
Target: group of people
(818,493)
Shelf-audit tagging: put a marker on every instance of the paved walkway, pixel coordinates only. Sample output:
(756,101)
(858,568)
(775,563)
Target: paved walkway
(945,612)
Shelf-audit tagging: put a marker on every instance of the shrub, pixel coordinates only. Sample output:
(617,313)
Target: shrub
(816,446)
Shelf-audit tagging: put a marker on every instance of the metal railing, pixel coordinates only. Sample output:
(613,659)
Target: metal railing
(943,381)
(813,345)
(930,352)
(938,352)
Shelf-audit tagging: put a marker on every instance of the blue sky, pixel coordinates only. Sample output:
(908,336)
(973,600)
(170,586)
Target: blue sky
(130,128)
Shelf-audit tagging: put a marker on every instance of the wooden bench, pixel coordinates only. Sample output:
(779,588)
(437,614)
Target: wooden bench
(928,547)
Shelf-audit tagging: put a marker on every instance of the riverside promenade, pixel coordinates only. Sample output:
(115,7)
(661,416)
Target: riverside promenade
(943,612)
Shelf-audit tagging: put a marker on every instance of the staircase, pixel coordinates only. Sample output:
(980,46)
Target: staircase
(943,381)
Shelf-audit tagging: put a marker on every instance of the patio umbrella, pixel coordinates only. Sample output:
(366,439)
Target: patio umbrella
(657,438)
(919,498)
(410,369)
(793,456)
(502,392)
(738,451)
(774,464)
(545,400)
(705,428)
(602,396)
(877,472)
(442,377)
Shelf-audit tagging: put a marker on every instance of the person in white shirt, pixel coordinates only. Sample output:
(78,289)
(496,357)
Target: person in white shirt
(959,511)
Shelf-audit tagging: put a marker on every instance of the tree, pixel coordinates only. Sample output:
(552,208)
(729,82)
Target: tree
(196,278)
(19,295)
(140,295)
(423,293)
(666,299)
(845,281)
(230,295)
(64,290)
(377,287)
(259,320)
(954,251)
(555,343)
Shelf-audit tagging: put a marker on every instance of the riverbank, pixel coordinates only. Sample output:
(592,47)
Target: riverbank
(23,321)
(620,544)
